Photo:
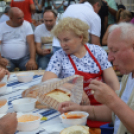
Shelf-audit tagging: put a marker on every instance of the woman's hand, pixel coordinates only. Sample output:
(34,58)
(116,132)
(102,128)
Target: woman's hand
(68,106)
(85,100)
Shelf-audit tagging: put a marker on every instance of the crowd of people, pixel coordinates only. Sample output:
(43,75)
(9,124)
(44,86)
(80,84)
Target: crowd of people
(72,45)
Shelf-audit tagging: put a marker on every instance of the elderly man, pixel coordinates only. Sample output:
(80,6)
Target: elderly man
(121,53)
(14,36)
(43,38)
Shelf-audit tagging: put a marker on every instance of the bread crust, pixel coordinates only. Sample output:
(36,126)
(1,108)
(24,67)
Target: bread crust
(75,130)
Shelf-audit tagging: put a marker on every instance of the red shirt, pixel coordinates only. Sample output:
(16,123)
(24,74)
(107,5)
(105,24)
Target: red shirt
(24,5)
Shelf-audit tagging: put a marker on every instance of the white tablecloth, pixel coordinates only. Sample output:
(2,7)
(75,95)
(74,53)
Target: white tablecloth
(51,124)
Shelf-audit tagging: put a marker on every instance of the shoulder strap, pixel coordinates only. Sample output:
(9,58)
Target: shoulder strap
(72,62)
(119,93)
(123,84)
(93,57)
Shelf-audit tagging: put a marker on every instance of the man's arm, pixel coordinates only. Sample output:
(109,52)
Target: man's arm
(3,61)
(99,113)
(32,6)
(105,95)
(38,49)
(8,124)
(30,40)
(31,64)
(112,8)
(95,40)
(112,11)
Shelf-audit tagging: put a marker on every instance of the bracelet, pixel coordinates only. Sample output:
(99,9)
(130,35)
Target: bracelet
(94,113)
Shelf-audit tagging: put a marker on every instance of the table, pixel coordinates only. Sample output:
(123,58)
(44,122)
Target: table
(36,72)
(52,115)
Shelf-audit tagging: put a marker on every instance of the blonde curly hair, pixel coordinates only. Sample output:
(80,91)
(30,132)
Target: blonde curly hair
(77,26)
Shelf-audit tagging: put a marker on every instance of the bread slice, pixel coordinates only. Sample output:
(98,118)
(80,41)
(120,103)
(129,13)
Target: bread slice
(75,130)
(56,94)
(59,95)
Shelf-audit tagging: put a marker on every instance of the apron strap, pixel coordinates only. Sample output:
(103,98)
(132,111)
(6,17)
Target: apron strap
(72,62)
(93,57)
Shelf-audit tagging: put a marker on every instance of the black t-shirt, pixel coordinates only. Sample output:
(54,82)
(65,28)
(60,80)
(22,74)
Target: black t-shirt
(103,13)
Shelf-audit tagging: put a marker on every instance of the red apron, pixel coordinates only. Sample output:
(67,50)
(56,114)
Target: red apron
(87,78)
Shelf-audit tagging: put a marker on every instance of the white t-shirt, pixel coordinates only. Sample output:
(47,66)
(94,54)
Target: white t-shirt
(85,12)
(13,39)
(125,97)
(42,35)
(62,67)
(56,42)
(4,18)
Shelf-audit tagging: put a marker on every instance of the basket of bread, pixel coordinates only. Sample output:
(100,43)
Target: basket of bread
(52,92)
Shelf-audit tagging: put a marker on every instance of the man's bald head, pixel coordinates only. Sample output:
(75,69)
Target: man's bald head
(16,16)
(14,11)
